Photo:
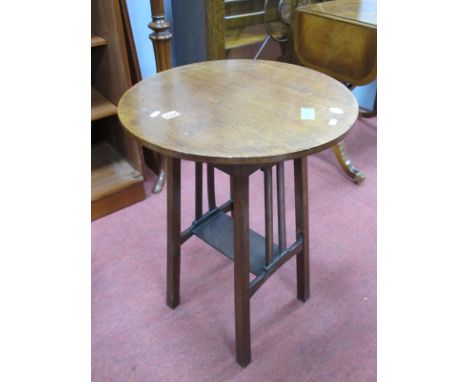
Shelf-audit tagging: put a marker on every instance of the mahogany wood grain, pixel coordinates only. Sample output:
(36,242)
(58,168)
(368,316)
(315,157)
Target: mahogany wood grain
(338,38)
(238,112)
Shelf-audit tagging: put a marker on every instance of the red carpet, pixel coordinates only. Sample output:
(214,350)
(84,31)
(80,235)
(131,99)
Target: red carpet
(332,337)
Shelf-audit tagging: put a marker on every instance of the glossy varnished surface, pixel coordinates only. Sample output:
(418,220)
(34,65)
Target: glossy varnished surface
(338,38)
(358,11)
(238,111)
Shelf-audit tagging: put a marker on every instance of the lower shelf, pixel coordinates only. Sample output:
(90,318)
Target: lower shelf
(101,107)
(218,232)
(114,182)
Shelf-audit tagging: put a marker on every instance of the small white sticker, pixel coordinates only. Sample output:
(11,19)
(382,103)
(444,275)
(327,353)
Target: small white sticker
(307,113)
(336,110)
(155,113)
(170,114)
(332,122)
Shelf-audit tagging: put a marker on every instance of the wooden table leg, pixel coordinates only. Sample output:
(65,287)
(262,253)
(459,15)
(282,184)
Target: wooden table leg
(173,232)
(240,196)
(345,163)
(301,195)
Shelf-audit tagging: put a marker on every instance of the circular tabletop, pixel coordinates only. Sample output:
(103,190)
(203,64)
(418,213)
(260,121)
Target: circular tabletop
(238,112)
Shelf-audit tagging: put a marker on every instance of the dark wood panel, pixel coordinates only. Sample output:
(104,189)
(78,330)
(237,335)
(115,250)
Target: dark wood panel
(218,232)
(111,203)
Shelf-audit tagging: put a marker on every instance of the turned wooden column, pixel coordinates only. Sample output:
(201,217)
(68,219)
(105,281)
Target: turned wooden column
(161,39)
(161,36)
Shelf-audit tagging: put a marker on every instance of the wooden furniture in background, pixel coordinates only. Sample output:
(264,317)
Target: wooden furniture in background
(134,63)
(339,38)
(220,29)
(228,114)
(116,164)
(161,39)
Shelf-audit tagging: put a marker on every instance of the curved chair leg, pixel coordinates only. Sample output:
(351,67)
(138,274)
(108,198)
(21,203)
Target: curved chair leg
(159,185)
(345,163)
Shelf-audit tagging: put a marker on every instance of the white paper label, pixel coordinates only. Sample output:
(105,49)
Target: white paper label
(170,114)
(336,110)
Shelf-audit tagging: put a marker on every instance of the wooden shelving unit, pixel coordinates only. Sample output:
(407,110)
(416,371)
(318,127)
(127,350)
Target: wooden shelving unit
(116,160)
(101,107)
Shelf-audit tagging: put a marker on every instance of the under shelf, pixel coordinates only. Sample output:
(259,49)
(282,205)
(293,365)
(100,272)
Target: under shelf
(97,41)
(101,107)
(110,172)
(218,232)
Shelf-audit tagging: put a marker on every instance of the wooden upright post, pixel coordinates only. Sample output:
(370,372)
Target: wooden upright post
(161,36)
(161,39)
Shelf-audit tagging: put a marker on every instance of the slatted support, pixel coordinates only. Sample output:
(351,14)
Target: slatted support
(211,187)
(198,190)
(279,260)
(281,206)
(268,215)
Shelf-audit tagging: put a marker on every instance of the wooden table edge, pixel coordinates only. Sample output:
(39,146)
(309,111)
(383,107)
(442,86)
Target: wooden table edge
(241,160)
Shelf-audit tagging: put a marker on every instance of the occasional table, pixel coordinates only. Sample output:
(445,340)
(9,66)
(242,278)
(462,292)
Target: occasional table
(239,116)
(339,38)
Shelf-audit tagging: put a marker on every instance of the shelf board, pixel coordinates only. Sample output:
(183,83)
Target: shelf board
(110,172)
(218,233)
(101,107)
(97,41)
(239,36)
